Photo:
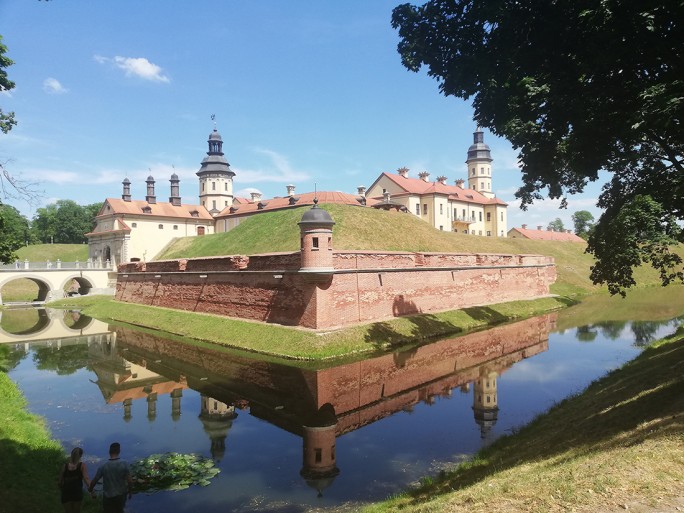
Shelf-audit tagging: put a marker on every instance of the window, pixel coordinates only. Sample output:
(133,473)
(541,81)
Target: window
(226,203)
(314,243)
(464,215)
(213,204)
(134,225)
(319,454)
(441,209)
(501,216)
(489,234)
(213,186)
(482,186)
(479,232)
(225,186)
(203,187)
(329,243)
(489,216)
(480,213)
(472,216)
(481,170)
(472,171)
(161,226)
(489,172)
(175,227)
(455,214)
(424,208)
(441,227)
(417,209)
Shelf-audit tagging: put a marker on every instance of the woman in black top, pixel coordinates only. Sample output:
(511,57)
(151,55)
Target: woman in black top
(71,479)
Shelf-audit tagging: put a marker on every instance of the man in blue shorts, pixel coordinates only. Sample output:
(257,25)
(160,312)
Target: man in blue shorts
(117,481)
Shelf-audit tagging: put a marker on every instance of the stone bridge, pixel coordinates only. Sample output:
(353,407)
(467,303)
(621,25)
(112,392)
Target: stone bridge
(57,280)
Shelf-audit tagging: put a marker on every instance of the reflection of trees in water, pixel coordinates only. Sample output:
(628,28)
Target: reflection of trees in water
(10,357)
(611,330)
(586,333)
(63,360)
(645,331)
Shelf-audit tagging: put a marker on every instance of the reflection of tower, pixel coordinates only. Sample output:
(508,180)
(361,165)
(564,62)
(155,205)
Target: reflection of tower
(485,402)
(176,403)
(319,467)
(217,418)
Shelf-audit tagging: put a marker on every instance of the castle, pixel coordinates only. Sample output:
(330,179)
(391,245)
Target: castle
(129,230)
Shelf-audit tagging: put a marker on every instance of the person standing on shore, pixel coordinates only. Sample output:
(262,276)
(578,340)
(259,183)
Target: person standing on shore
(74,473)
(117,482)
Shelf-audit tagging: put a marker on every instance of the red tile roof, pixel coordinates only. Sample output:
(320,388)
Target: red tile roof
(454,192)
(546,235)
(284,202)
(160,209)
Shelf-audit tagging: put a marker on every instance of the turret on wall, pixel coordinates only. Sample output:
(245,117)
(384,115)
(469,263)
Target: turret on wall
(316,241)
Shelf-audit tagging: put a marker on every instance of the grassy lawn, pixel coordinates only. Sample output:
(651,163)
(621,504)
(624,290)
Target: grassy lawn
(619,445)
(52,252)
(302,344)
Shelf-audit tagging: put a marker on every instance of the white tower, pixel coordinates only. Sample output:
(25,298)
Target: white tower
(480,166)
(215,177)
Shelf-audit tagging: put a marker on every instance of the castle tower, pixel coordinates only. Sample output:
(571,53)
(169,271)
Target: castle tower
(215,177)
(316,241)
(126,196)
(479,164)
(485,402)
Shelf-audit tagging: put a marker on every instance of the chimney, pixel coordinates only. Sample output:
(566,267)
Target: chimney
(442,179)
(126,196)
(524,227)
(549,229)
(386,197)
(460,182)
(290,190)
(423,175)
(539,227)
(256,196)
(175,199)
(150,198)
(361,190)
(403,171)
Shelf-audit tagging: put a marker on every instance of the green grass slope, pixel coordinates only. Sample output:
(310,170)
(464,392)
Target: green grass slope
(52,252)
(365,228)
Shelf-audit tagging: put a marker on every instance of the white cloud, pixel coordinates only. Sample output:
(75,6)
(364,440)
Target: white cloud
(53,86)
(55,176)
(278,170)
(136,66)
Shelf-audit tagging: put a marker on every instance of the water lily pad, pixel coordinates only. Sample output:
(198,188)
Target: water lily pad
(171,471)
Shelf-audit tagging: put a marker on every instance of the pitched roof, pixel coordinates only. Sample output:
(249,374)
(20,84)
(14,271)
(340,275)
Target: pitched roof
(159,209)
(546,235)
(454,192)
(298,200)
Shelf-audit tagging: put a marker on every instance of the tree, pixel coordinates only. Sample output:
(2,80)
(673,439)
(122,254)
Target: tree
(576,87)
(584,222)
(556,225)
(64,222)
(9,184)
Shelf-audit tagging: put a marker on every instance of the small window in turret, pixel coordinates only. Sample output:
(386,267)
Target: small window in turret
(329,243)
(314,243)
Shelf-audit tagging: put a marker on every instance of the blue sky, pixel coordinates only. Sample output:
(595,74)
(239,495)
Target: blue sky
(304,92)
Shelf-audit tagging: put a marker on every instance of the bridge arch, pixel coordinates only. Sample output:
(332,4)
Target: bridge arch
(41,321)
(84,285)
(44,286)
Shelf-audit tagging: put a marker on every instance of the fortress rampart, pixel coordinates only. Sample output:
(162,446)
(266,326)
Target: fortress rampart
(361,286)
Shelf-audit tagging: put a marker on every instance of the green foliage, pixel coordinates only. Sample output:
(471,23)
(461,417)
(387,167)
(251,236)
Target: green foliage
(171,471)
(64,222)
(641,231)
(557,225)
(7,120)
(584,223)
(576,87)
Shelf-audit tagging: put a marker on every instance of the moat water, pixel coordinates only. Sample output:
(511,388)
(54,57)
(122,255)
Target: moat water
(392,418)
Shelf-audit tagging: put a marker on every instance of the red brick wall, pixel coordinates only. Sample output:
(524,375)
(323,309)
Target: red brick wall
(387,284)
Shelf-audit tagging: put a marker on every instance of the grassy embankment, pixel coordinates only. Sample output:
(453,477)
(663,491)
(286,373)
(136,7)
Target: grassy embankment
(26,290)
(30,457)
(619,445)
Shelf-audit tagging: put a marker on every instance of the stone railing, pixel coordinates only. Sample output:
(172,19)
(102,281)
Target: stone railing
(25,265)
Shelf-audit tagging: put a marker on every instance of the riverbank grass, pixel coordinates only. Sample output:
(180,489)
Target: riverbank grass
(296,343)
(617,446)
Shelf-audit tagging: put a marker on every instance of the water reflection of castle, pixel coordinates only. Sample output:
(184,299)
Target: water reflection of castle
(317,405)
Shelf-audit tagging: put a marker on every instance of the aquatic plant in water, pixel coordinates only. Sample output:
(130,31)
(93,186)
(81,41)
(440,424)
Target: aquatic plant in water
(171,471)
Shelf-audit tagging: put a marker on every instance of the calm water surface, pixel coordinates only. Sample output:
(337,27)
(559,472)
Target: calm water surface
(273,428)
